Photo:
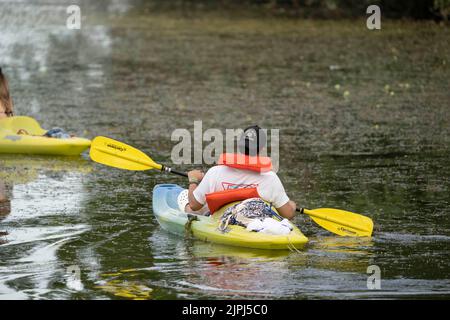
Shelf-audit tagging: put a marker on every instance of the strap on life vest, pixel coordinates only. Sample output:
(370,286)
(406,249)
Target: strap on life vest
(244,162)
(216,200)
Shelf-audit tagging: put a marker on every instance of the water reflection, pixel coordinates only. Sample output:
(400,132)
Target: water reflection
(124,289)
(5,208)
(205,269)
(43,196)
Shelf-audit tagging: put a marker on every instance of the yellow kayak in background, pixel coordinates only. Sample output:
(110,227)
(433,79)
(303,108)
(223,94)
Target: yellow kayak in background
(34,142)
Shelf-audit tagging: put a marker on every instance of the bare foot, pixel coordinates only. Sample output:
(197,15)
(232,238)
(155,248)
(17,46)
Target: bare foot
(203,211)
(22,131)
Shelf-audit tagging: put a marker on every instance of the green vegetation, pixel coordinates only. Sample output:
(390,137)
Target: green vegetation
(328,9)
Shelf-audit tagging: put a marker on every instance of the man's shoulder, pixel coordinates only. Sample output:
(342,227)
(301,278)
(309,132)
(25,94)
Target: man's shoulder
(217,169)
(271,178)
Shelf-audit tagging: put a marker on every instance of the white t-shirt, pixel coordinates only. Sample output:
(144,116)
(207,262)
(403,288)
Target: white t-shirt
(222,177)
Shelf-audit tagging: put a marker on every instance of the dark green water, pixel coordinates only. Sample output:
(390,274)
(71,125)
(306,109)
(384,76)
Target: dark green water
(364,121)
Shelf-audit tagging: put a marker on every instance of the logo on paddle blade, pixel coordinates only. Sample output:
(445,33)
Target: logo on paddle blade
(116,147)
(346,230)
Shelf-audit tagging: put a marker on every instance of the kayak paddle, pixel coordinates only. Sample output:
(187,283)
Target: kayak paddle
(340,222)
(120,155)
(117,154)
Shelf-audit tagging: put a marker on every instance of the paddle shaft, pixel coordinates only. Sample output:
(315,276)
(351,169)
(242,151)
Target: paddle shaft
(170,170)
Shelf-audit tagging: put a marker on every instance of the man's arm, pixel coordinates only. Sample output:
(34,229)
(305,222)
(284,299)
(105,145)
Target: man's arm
(193,203)
(195,176)
(288,210)
(273,191)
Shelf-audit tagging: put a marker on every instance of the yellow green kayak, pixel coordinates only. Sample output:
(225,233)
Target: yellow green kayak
(34,142)
(172,219)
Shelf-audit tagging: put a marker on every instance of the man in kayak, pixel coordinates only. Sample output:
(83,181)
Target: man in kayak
(231,175)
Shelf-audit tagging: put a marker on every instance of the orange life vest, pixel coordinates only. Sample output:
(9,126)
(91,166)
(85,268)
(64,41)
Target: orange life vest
(244,162)
(216,200)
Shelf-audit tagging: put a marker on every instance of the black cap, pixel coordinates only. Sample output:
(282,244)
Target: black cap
(252,141)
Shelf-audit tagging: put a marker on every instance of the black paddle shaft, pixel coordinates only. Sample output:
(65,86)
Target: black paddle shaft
(170,170)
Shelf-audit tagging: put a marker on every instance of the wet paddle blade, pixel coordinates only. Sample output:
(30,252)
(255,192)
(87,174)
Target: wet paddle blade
(117,154)
(343,223)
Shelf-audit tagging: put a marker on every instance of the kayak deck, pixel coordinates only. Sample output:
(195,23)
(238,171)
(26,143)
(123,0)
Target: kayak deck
(205,228)
(34,142)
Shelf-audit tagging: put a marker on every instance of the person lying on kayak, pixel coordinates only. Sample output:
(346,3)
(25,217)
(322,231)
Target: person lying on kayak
(230,174)
(6,104)
(6,110)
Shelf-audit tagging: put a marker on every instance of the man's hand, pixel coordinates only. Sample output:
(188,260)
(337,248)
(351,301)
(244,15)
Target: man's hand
(293,205)
(195,175)
(288,210)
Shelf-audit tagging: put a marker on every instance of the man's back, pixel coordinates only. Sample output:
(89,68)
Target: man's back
(222,177)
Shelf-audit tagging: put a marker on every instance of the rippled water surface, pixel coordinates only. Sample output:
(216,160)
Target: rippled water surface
(364,125)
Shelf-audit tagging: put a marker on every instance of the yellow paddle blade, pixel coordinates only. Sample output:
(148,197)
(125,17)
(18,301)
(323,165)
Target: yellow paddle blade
(343,223)
(29,124)
(120,155)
